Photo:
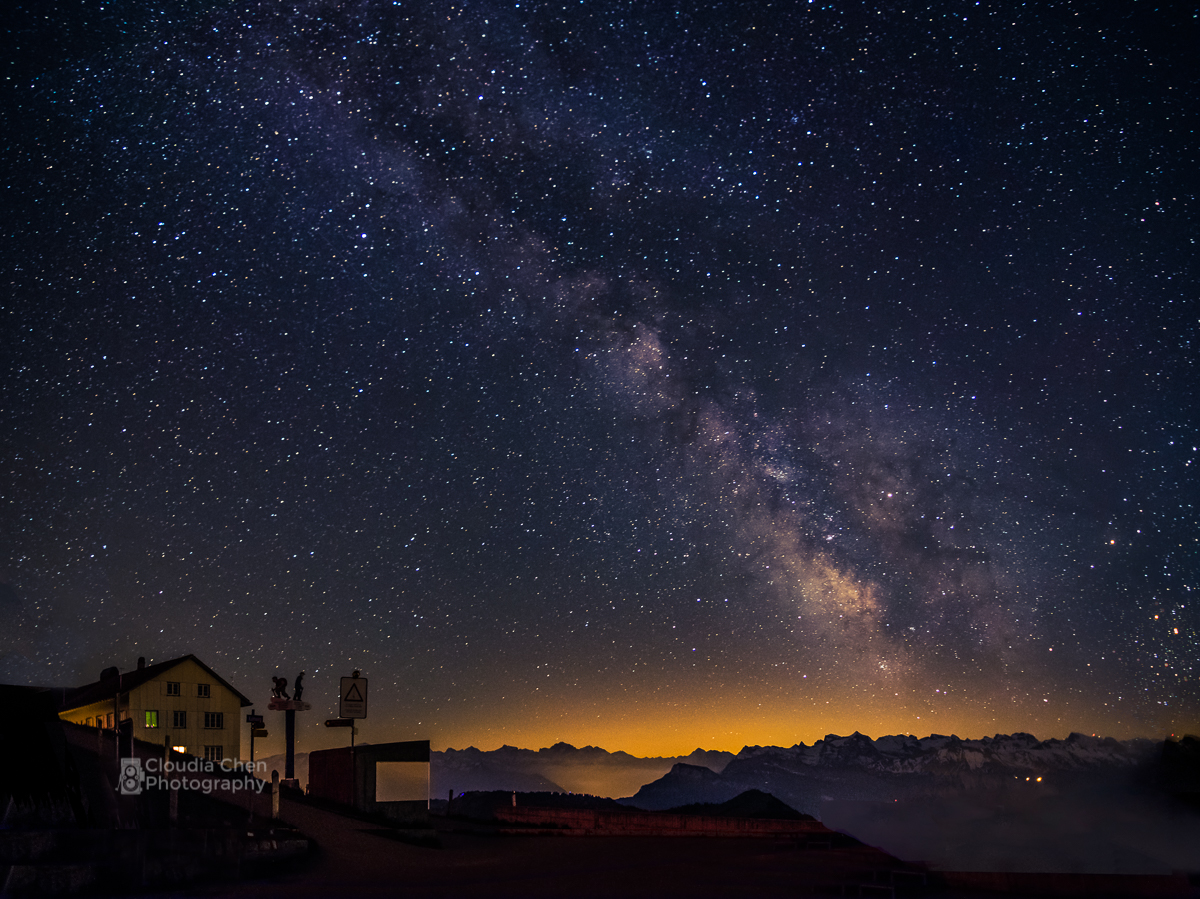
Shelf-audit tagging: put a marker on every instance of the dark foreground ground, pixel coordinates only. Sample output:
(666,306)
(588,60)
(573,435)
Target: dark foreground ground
(363,859)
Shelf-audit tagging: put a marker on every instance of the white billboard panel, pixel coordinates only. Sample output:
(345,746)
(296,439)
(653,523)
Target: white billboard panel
(402,781)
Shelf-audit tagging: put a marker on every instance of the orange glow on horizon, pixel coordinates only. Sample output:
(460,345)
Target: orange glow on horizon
(650,730)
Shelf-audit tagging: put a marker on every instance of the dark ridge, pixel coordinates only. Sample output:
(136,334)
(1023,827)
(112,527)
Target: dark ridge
(1178,769)
(482,806)
(750,804)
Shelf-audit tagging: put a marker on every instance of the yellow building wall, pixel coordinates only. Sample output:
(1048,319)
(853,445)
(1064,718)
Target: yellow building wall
(153,696)
(94,715)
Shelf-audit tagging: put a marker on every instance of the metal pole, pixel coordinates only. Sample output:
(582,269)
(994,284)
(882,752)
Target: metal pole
(353,770)
(290,727)
(117,722)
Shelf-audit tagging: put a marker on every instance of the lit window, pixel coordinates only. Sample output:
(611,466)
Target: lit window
(179,720)
(172,688)
(214,753)
(202,691)
(214,720)
(151,718)
(179,749)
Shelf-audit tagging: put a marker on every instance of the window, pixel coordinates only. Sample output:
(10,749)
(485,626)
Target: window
(214,753)
(151,718)
(88,721)
(214,720)
(202,690)
(179,720)
(109,720)
(172,688)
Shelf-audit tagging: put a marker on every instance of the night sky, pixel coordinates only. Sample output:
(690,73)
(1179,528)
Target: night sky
(638,374)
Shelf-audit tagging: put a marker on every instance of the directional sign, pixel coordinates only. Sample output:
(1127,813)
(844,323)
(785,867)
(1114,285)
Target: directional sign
(339,722)
(256,720)
(354,698)
(259,732)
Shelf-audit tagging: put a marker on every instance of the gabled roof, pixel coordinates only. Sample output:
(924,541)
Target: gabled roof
(123,683)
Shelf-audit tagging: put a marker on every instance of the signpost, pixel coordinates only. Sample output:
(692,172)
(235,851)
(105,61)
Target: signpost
(352,704)
(354,697)
(281,702)
(256,722)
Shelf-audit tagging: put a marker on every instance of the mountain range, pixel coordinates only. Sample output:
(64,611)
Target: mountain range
(899,767)
(558,768)
(853,767)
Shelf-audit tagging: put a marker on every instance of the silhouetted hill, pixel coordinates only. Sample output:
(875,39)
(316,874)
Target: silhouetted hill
(684,785)
(750,804)
(482,806)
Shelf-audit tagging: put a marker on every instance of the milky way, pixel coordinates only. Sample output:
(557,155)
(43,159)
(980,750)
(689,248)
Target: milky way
(649,376)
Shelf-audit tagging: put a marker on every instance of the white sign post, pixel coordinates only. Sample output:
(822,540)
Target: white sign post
(352,703)
(353,698)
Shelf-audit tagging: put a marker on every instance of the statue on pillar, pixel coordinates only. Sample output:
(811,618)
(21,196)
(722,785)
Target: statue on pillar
(298,686)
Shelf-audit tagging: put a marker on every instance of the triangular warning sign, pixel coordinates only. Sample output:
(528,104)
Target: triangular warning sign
(352,695)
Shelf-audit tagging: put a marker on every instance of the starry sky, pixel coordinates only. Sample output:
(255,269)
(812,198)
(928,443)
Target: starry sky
(638,374)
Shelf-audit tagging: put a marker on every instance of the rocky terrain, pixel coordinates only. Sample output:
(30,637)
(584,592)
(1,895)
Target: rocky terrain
(900,767)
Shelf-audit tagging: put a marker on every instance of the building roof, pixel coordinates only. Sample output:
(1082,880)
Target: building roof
(124,682)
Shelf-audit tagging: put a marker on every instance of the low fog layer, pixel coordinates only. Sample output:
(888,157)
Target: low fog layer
(1099,831)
